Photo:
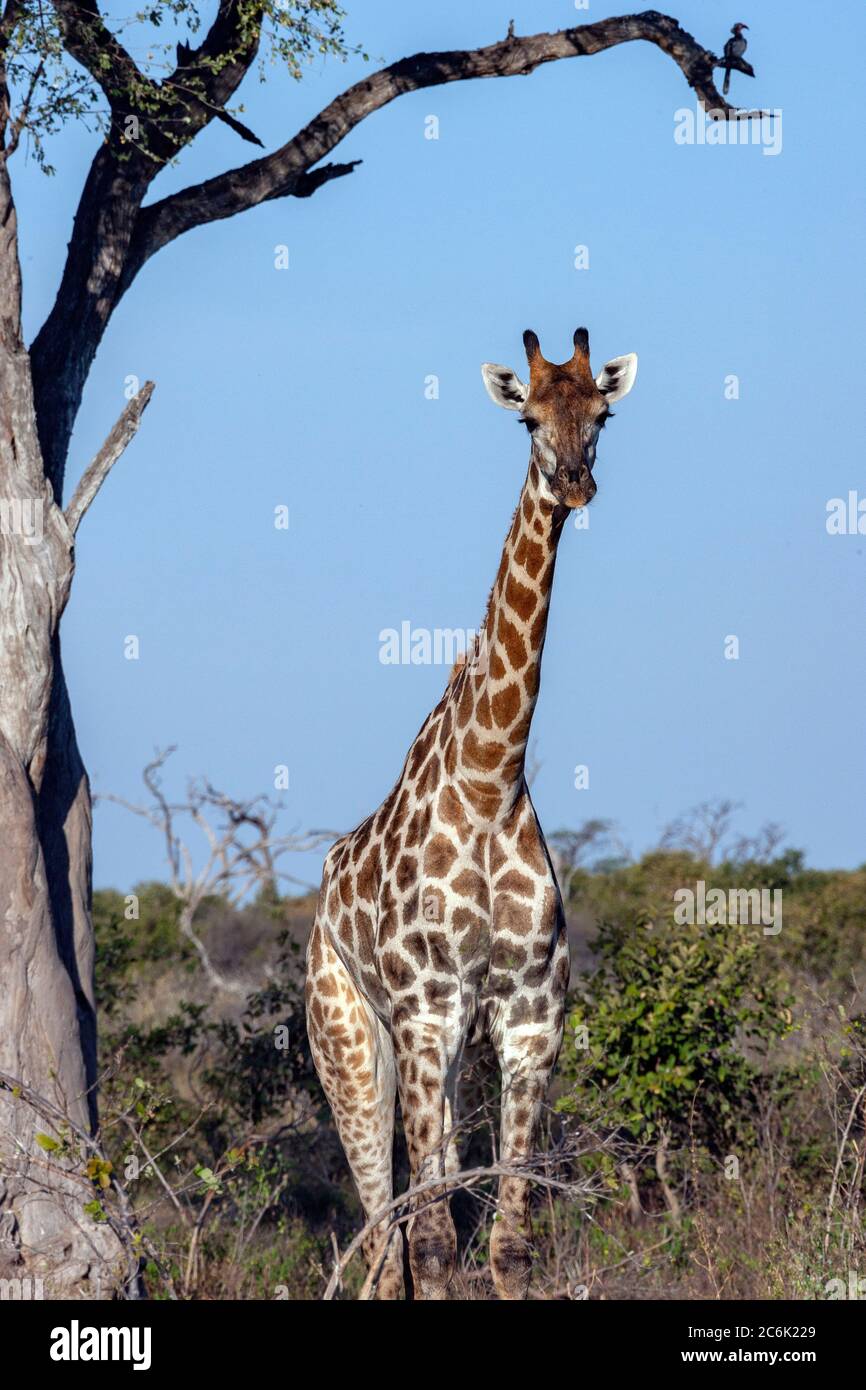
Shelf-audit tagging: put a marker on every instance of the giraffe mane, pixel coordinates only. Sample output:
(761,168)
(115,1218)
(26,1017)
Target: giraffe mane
(464,658)
(459,665)
(496,580)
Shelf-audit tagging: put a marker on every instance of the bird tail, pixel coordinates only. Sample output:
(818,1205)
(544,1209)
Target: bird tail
(727,85)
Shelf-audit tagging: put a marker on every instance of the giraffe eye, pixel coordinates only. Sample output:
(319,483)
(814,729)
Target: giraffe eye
(529,423)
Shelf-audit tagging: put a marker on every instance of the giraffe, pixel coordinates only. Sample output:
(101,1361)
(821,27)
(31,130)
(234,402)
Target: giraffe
(439,923)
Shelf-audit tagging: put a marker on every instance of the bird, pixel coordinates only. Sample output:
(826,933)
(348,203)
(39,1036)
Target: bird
(734,48)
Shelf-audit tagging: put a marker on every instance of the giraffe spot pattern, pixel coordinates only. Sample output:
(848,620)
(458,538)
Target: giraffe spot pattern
(439,856)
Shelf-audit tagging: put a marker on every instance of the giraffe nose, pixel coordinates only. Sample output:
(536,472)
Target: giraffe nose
(585,481)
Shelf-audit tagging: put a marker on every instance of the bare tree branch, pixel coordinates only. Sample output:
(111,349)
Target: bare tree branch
(242,855)
(278,175)
(94,476)
(702,831)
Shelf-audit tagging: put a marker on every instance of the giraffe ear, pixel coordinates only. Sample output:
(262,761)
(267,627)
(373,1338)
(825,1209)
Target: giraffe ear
(504,386)
(616,377)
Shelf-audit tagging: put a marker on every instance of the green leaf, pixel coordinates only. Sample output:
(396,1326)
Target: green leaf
(208,1178)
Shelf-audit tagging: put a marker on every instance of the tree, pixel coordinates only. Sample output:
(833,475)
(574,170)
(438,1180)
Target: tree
(65,61)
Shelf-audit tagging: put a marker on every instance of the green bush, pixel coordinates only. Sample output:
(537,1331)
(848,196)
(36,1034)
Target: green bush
(675,1021)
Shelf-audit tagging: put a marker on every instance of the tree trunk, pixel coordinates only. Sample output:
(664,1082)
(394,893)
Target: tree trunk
(47,1039)
(65,823)
(65,346)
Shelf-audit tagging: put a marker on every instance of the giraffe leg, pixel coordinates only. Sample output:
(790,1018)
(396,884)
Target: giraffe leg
(427,1068)
(355,1062)
(526,1042)
(528,979)
(524,1086)
(527,1049)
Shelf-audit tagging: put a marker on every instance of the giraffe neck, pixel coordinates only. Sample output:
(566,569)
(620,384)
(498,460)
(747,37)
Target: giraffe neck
(492,699)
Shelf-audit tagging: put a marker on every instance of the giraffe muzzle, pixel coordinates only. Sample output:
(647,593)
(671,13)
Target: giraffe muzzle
(577,486)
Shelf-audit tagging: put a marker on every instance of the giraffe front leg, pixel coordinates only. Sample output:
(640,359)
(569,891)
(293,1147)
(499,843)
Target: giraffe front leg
(527,1054)
(427,1069)
(511,1237)
(526,1038)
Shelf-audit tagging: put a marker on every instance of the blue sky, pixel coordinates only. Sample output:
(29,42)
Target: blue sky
(305,387)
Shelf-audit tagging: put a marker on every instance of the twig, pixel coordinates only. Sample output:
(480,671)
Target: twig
(403,1208)
(840,1157)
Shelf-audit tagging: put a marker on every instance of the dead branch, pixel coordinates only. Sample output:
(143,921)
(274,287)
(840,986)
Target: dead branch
(242,851)
(551,1170)
(433,1190)
(94,476)
(289,170)
(702,831)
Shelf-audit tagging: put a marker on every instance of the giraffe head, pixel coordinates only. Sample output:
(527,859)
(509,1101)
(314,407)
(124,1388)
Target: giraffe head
(564,408)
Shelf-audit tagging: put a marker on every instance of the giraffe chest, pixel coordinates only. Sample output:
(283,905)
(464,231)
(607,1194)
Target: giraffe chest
(434,930)
(453,926)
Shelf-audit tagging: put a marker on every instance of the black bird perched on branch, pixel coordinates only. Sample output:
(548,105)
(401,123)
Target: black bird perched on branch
(734,48)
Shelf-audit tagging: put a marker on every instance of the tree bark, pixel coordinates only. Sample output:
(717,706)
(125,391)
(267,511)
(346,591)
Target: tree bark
(66,345)
(46,1004)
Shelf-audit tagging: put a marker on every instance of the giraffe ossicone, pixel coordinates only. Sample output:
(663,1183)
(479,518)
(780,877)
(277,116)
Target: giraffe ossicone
(439,925)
